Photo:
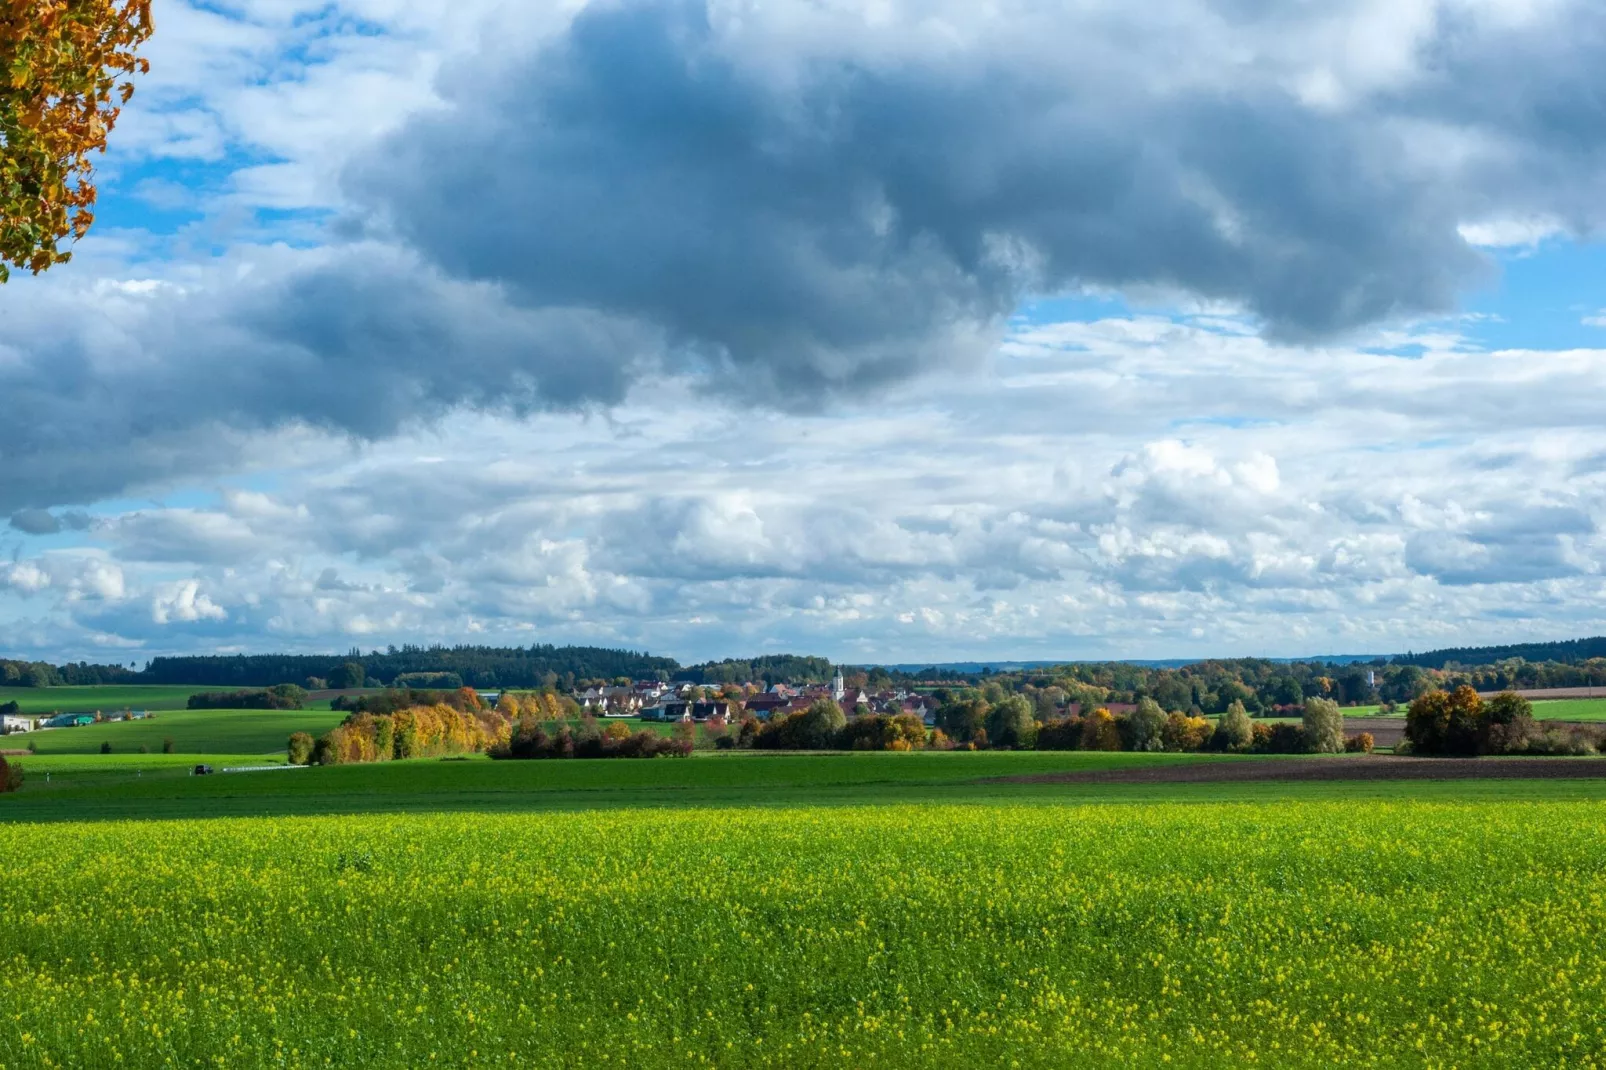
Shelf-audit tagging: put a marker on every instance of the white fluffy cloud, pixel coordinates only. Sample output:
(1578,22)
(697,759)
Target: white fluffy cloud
(1058,504)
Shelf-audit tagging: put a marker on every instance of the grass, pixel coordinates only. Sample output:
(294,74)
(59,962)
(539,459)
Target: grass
(139,787)
(1401,933)
(144,787)
(1571,709)
(107,697)
(192,732)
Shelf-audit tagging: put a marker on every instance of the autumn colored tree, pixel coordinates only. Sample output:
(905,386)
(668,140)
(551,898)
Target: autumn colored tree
(1445,722)
(66,69)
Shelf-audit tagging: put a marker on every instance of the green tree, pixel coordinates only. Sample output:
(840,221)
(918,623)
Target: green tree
(1234,731)
(963,715)
(1509,722)
(818,725)
(349,675)
(1145,726)
(1010,723)
(1324,726)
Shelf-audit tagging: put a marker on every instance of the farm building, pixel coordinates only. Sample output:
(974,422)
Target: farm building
(17,722)
(69,720)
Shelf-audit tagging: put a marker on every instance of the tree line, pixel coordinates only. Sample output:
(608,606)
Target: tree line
(473,666)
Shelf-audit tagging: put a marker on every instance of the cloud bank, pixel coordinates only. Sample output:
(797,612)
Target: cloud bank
(697,321)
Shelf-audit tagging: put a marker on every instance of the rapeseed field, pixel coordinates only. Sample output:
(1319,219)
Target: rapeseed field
(1309,934)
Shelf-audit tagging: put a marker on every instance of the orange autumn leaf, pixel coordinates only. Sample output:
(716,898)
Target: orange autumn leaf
(66,67)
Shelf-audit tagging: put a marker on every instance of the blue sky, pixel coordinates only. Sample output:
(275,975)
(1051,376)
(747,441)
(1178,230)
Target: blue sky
(901,332)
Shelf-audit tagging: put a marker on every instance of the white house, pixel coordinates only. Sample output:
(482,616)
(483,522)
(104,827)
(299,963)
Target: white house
(17,722)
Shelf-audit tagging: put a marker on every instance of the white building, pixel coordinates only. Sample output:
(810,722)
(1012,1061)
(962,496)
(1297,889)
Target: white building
(17,722)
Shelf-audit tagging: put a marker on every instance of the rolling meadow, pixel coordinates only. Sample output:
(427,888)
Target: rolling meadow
(787,909)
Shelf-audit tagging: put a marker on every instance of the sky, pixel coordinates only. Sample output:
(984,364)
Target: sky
(884,330)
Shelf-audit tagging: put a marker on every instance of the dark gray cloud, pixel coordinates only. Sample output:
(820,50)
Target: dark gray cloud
(795,201)
(44,522)
(847,213)
(184,380)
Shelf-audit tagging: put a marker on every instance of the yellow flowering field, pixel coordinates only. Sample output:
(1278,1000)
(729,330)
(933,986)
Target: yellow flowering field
(1296,934)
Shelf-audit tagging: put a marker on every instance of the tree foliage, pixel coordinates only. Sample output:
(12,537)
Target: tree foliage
(66,69)
(1234,731)
(10,776)
(1010,723)
(1324,726)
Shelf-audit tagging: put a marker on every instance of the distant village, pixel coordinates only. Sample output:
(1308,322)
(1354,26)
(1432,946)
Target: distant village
(652,700)
(649,700)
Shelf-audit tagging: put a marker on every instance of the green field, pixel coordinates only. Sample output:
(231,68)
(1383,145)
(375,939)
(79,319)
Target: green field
(192,732)
(1398,934)
(781,909)
(1571,709)
(100,697)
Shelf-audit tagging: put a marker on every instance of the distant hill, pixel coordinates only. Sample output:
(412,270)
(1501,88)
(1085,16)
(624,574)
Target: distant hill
(1565,651)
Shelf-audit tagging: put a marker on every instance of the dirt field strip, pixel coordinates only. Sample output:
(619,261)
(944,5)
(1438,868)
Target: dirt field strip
(1357,767)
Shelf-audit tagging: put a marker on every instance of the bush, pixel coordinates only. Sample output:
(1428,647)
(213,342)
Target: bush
(167,744)
(1282,738)
(1323,726)
(1360,743)
(10,776)
(106,746)
(1508,724)
(144,748)
(1235,731)
(1559,741)
(300,748)
(442,681)
(280,697)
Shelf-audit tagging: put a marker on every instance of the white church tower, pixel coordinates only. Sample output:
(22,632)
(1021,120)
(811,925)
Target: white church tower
(838,688)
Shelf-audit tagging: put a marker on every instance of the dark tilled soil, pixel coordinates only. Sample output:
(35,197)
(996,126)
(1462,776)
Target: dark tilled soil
(1357,767)
(1386,731)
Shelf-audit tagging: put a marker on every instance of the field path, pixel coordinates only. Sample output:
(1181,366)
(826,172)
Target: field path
(1357,767)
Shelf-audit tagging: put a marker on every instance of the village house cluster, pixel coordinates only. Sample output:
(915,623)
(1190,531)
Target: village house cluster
(655,701)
